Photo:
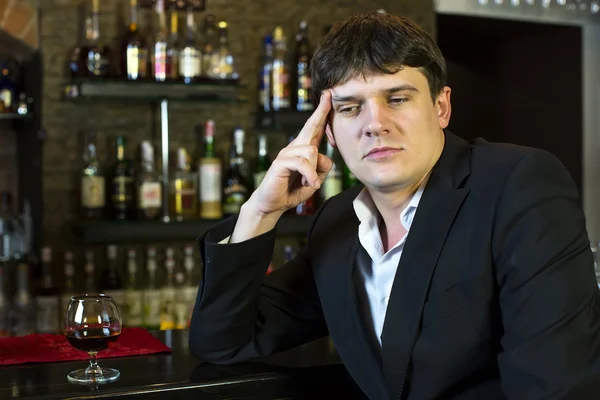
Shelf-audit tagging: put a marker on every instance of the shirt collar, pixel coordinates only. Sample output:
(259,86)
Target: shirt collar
(367,212)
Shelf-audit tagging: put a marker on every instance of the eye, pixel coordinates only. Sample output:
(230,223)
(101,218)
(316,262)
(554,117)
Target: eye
(398,100)
(347,109)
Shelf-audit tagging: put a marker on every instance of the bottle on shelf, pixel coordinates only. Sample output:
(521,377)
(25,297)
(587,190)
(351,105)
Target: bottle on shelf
(236,188)
(302,84)
(90,273)
(159,57)
(47,298)
(111,282)
(151,294)
(210,176)
(135,53)
(92,182)
(133,295)
(280,76)
(262,161)
(9,228)
(84,30)
(173,46)
(167,306)
(210,53)
(181,304)
(265,89)
(4,302)
(68,288)
(191,285)
(95,55)
(183,191)
(189,56)
(226,66)
(122,184)
(149,185)
(9,76)
(23,320)
(333,182)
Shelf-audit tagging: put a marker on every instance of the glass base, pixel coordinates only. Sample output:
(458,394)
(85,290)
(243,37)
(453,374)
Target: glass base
(106,375)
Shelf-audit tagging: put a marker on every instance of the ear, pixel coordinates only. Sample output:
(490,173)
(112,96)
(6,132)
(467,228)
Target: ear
(330,137)
(444,108)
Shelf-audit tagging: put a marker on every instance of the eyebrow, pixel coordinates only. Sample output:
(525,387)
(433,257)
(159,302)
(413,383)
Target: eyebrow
(394,89)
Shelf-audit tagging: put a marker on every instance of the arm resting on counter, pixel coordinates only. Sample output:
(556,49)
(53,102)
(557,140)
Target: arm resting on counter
(242,314)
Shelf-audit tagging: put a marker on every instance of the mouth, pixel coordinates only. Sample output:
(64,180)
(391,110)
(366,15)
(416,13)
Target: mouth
(382,152)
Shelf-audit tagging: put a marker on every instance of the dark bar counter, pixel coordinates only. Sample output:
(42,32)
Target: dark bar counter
(311,371)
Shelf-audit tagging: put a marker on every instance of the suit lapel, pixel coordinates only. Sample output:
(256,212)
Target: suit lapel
(337,288)
(437,209)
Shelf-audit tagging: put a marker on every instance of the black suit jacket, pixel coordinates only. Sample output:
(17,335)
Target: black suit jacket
(494,297)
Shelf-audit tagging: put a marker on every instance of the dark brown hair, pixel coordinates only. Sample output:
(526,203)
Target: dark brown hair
(376,43)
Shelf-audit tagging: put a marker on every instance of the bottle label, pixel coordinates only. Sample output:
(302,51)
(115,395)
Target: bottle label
(332,186)
(281,90)
(189,63)
(159,61)
(92,191)
(150,195)
(258,178)
(210,181)
(184,197)
(122,189)
(137,59)
(151,300)
(134,308)
(235,197)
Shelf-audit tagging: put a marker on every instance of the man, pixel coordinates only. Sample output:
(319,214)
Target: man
(455,270)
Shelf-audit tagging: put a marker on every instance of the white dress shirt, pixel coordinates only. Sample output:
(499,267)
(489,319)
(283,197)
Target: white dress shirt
(373,281)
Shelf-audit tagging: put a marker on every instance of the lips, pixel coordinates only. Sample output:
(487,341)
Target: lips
(382,151)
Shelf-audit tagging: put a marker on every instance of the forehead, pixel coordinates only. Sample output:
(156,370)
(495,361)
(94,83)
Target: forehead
(362,84)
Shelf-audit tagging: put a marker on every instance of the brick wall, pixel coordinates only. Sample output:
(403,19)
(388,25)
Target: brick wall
(63,121)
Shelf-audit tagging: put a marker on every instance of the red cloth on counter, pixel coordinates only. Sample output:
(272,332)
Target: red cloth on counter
(43,348)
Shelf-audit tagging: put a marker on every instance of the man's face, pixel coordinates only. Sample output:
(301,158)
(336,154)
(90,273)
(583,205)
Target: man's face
(387,128)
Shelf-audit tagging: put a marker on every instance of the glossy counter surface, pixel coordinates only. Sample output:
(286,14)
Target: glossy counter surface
(310,371)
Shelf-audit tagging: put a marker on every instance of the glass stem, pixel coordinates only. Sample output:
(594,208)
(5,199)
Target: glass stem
(94,369)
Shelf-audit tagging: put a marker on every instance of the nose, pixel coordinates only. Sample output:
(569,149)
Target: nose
(376,123)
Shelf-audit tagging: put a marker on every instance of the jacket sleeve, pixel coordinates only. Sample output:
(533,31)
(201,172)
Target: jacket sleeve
(240,313)
(549,298)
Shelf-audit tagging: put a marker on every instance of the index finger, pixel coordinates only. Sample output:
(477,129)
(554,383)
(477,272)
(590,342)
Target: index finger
(314,128)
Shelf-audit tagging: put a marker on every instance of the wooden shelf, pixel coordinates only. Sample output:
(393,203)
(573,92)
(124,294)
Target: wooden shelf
(120,232)
(14,116)
(150,91)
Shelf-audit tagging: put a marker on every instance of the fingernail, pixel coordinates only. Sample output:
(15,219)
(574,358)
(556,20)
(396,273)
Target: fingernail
(318,185)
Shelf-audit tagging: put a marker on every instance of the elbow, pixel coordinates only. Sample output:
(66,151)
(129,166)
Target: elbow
(205,350)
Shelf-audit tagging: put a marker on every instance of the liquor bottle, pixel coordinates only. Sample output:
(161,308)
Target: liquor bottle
(210,54)
(4,304)
(48,307)
(183,193)
(209,172)
(111,282)
(173,47)
(8,227)
(280,79)
(302,84)
(135,49)
(349,178)
(151,294)
(262,161)
(149,186)
(333,182)
(266,71)
(191,285)
(8,85)
(68,289)
(122,184)
(90,273)
(84,30)
(94,55)
(189,56)
(92,182)
(226,67)
(167,306)
(181,303)
(133,296)
(235,187)
(23,310)
(159,57)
